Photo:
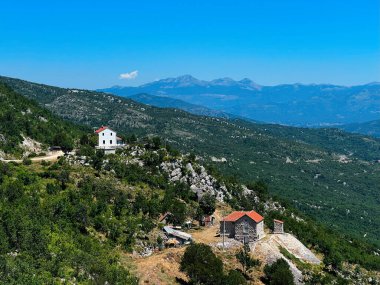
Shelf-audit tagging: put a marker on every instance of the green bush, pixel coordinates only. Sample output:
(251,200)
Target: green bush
(234,277)
(278,273)
(246,260)
(202,265)
(27,161)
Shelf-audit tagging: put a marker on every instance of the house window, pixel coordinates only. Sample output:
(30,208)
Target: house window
(104,142)
(110,134)
(103,134)
(110,141)
(245,228)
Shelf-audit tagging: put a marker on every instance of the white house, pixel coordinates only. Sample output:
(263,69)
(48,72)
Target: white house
(108,140)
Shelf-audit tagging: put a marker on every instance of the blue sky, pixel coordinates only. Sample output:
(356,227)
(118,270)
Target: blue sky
(88,44)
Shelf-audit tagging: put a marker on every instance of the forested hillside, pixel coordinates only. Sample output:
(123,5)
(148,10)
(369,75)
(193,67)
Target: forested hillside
(371,128)
(327,173)
(166,102)
(78,220)
(22,119)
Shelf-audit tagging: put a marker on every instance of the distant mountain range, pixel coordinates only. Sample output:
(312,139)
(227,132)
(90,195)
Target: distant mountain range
(288,104)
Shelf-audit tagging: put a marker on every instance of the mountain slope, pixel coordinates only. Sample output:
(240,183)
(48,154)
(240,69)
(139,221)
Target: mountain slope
(24,121)
(290,104)
(371,128)
(326,173)
(167,102)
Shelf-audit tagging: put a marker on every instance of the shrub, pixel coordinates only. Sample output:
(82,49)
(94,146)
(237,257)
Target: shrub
(246,260)
(234,277)
(207,204)
(27,161)
(64,141)
(278,273)
(202,265)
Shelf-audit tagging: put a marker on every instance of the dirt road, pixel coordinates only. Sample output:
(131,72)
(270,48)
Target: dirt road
(53,156)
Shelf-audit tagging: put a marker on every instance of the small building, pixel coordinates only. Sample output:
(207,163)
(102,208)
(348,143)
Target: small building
(55,148)
(108,140)
(278,227)
(119,141)
(207,221)
(164,218)
(243,226)
(181,237)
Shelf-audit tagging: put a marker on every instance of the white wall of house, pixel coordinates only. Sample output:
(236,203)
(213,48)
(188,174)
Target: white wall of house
(107,139)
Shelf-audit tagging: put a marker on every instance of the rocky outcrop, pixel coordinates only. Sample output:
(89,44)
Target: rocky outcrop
(30,145)
(196,177)
(179,170)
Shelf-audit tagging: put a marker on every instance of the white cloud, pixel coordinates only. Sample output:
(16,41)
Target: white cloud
(129,75)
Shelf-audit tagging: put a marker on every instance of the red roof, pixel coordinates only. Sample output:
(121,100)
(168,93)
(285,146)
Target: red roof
(278,221)
(234,216)
(101,129)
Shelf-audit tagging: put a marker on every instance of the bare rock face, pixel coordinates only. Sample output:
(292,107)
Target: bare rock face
(2,140)
(189,168)
(29,146)
(176,172)
(2,155)
(196,176)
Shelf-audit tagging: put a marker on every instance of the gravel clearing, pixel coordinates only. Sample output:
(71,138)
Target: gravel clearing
(295,247)
(268,249)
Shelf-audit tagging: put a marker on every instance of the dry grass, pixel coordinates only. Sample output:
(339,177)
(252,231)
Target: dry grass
(163,267)
(159,268)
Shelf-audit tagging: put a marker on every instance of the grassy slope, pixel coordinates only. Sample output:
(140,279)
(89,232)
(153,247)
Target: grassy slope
(342,195)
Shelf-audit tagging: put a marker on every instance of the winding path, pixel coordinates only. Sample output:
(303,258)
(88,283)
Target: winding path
(53,156)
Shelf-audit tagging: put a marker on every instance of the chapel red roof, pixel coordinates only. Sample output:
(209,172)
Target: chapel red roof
(101,129)
(278,221)
(234,216)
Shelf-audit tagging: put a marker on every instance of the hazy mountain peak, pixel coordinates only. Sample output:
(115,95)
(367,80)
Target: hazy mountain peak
(249,83)
(246,81)
(223,81)
(187,77)
(117,87)
(180,81)
(373,83)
